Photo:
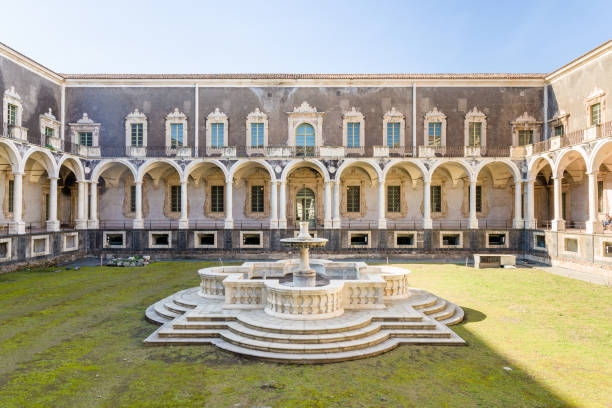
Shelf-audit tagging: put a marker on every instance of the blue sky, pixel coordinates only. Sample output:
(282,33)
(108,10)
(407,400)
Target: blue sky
(304,36)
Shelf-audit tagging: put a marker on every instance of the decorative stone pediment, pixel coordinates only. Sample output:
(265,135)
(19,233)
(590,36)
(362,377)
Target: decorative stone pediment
(305,114)
(475,114)
(12,94)
(595,93)
(257,115)
(525,118)
(136,115)
(217,116)
(560,114)
(353,114)
(48,120)
(85,120)
(304,108)
(435,114)
(176,115)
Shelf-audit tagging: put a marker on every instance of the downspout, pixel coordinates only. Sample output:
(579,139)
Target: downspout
(414,118)
(545,112)
(63,113)
(197,122)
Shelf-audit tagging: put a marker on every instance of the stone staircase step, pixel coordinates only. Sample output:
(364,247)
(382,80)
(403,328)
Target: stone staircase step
(435,308)
(173,307)
(217,317)
(444,314)
(161,310)
(424,302)
(152,316)
(456,318)
(275,325)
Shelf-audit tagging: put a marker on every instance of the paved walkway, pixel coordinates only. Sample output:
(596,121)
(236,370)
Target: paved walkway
(583,276)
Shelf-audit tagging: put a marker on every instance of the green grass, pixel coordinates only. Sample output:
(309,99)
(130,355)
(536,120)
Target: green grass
(74,339)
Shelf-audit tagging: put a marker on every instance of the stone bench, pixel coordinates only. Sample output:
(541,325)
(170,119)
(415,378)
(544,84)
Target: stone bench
(493,260)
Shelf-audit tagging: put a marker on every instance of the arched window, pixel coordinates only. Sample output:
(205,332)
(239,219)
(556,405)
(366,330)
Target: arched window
(305,140)
(305,206)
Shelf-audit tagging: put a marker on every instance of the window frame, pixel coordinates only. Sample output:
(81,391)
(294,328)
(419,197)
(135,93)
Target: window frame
(257,117)
(140,119)
(173,118)
(432,206)
(349,120)
(217,199)
(258,198)
(353,203)
(394,200)
(394,116)
(434,117)
(175,199)
(475,116)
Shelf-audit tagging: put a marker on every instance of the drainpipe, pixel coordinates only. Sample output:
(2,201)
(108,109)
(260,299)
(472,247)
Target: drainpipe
(63,112)
(545,112)
(197,121)
(414,117)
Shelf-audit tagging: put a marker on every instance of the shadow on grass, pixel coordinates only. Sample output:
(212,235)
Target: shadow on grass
(472,316)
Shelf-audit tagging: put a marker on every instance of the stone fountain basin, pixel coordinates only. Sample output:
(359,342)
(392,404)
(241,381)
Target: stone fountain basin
(252,285)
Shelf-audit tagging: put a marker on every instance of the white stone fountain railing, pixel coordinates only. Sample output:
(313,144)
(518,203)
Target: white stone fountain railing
(288,302)
(244,294)
(364,294)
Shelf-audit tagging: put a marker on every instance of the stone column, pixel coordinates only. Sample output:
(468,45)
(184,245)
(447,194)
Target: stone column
(427,223)
(328,206)
(382,219)
(53,223)
(530,221)
(336,220)
(473,221)
(138,222)
(229,220)
(93,206)
(18,226)
(184,220)
(518,223)
(274,205)
(593,225)
(81,221)
(558,223)
(282,206)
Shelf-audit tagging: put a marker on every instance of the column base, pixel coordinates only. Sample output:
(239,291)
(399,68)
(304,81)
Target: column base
(427,224)
(558,225)
(282,224)
(382,224)
(473,223)
(531,224)
(183,223)
(81,224)
(138,223)
(336,223)
(229,224)
(518,224)
(273,224)
(17,227)
(594,227)
(53,226)
(327,224)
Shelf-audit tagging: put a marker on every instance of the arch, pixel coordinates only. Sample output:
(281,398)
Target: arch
(516,173)
(307,132)
(418,164)
(533,169)
(352,162)
(103,165)
(466,167)
(296,163)
(12,153)
(245,162)
(560,165)
(596,159)
(78,170)
(195,163)
(47,159)
(146,166)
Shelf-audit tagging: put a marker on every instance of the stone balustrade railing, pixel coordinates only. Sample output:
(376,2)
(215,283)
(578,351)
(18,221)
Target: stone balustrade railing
(364,294)
(304,302)
(396,281)
(212,280)
(244,294)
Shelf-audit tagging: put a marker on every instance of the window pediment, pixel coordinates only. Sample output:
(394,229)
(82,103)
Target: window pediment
(394,116)
(133,118)
(475,116)
(357,132)
(85,124)
(436,133)
(48,120)
(305,114)
(176,117)
(256,122)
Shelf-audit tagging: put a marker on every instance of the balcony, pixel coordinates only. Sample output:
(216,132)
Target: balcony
(15,132)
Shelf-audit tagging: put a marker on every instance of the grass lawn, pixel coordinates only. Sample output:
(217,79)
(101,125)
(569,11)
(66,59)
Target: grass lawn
(74,339)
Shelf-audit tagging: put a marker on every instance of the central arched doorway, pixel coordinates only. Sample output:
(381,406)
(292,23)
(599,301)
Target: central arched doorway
(305,206)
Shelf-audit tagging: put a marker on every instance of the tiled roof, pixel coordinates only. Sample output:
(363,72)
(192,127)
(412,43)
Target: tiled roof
(305,76)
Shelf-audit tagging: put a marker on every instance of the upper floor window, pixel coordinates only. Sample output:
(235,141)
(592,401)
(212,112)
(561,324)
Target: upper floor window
(394,199)
(596,107)
(86,139)
(257,199)
(257,129)
(475,129)
(475,133)
(11,192)
(12,107)
(436,199)
(305,139)
(525,137)
(176,135)
(559,131)
(175,198)
(85,132)
(176,130)
(393,128)
(435,128)
(257,135)
(353,199)
(525,130)
(595,114)
(217,199)
(136,129)
(217,135)
(49,132)
(353,134)
(393,134)
(352,129)
(49,128)
(216,130)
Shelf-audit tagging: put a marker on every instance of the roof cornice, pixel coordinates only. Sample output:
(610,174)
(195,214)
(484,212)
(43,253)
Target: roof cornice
(30,64)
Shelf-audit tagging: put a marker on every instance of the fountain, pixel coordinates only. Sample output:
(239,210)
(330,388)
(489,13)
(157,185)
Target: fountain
(304,276)
(257,310)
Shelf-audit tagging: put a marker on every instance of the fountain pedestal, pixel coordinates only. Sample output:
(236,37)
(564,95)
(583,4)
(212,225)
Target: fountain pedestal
(304,276)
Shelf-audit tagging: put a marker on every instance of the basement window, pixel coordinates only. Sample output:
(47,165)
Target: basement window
(497,239)
(207,239)
(71,241)
(5,250)
(607,250)
(40,246)
(160,239)
(114,240)
(359,239)
(450,240)
(251,239)
(540,241)
(404,240)
(571,245)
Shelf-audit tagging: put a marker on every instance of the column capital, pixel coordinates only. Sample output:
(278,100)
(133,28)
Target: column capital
(592,173)
(53,178)
(18,173)
(138,182)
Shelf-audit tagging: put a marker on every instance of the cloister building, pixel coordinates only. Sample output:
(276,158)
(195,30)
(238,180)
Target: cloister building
(410,164)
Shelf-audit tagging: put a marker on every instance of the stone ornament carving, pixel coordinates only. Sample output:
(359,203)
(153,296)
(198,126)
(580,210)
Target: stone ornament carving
(475,116)
(12,97)
(136,117)
(393,116)
(175,117)
(353,116)
(256,116)
(305,114)
(525,122)
(85,124)
(434,116)
(216,117)
(597,95)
